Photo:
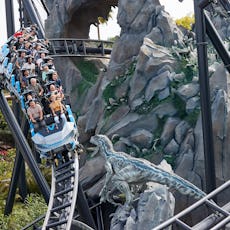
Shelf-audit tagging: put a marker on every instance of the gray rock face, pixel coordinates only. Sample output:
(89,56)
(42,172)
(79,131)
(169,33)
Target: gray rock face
(171,148)
(92,171)
(154,207)
(72,18)
(158,83)
(94,114)
(199,151)
(150,111)
(137,19)
(165,33)
(220,19)
(151,58)
(125,126)
(219,130)
(168,130)
(164,94)
(180,131)
(116,117)
(142,138)
(187,91)
(219,80)
(165,109)
(192,104)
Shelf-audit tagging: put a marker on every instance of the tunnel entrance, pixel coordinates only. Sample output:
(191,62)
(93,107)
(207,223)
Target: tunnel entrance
(85,17)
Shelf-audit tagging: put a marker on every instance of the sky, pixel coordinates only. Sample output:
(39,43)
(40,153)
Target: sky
(175,8)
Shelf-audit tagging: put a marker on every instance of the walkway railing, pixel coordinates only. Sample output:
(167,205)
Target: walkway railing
(218,215)
(66,47)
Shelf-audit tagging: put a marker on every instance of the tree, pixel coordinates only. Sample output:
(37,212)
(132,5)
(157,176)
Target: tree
(102,20)
(186,22)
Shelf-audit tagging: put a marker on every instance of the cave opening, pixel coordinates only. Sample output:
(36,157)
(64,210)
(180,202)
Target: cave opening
(84,21)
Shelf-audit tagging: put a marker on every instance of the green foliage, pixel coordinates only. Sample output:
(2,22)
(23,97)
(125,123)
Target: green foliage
(147,155)
(113,39)
(192,117)
(6,165)
(109,92)
(180,105)
(88,70)
(24,213)
(4,222)
(188,68)
(186,22)
(171,159)
(89,74)
(83,86)
(3,124)
(147,106)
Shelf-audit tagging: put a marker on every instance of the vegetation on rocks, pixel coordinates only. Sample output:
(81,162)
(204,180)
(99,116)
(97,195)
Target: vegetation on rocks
(3,124)
(109,92)
(88,70)
(89,74)
(23,212)
(186,22)
(147,106)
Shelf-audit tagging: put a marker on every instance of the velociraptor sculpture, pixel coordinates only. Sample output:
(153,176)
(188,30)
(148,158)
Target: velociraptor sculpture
(124,170)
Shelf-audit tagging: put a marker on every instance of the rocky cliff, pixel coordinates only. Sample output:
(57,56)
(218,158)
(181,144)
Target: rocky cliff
(147,101)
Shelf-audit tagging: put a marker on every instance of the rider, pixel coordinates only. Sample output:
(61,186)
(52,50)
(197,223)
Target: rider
(35,114)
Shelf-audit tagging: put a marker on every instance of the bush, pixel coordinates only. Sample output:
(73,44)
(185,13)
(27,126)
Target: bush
(186,22)
(23,214)
(3,124)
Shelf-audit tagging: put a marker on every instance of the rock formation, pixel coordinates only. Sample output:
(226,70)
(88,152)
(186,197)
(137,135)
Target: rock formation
(148,99)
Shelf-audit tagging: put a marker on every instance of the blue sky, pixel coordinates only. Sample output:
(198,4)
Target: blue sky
(174,7)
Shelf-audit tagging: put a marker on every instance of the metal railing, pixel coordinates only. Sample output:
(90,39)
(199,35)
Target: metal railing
(66,47)
(218,216)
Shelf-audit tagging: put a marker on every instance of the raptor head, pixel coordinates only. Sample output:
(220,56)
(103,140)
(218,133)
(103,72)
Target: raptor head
(102,142)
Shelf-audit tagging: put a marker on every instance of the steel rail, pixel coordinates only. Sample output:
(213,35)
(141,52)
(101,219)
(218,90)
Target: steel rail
(63,196)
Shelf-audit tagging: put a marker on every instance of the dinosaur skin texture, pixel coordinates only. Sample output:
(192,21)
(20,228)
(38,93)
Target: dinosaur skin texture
(123,171)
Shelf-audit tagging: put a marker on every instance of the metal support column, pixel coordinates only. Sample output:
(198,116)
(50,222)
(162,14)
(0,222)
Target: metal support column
(24,147)
(10,17)
(205,98)
(23,16)
(18,176)
(83,208)
(45,7)
(22,172)
(13,183)
(30,10)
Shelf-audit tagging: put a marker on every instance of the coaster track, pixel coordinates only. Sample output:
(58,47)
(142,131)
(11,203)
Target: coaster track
(63,154)
(63,195)
(65,173)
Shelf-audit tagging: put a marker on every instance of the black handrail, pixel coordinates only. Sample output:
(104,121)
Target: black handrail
(66,47)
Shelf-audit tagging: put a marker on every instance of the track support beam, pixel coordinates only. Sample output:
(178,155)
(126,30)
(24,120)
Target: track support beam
(24,147)
(205,97)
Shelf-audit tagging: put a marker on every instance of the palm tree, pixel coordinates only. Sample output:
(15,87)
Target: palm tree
(101,20)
